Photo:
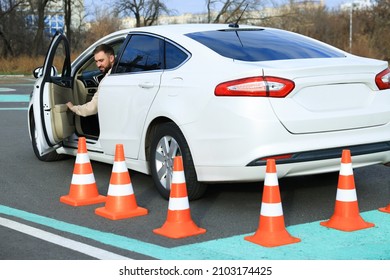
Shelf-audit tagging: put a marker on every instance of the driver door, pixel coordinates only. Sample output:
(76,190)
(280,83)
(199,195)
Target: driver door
(54,122)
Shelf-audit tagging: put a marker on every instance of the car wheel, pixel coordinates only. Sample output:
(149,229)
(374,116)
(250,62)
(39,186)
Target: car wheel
(167,143)
(51,156)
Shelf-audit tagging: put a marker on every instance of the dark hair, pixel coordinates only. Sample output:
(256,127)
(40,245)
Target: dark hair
(105,48)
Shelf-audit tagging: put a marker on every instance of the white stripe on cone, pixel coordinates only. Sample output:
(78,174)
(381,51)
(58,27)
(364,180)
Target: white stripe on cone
(119,167)
(346,169)
(346,195)
(82,158)
(178,203)
(271,179)
(178,177)
(120,190)
(271,209)
(79,179)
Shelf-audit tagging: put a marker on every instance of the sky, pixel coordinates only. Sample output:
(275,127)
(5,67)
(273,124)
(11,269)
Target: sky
(198,6)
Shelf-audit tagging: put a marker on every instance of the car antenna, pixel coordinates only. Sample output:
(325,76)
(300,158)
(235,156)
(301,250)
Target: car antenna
(235,24)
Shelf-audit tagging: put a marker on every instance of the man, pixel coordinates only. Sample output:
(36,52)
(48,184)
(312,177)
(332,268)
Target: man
(104,58)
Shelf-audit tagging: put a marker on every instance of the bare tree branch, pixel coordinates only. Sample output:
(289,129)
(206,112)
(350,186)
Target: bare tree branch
(146,12)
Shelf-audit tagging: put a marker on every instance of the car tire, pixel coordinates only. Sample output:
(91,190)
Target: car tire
(51,156)
(168,142)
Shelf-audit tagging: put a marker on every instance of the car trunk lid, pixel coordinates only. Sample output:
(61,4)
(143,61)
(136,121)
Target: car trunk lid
(330,95)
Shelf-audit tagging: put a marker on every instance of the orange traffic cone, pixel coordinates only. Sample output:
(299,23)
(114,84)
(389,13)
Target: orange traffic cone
(179,223)
(121,202)
(271,231)
(346,215)
(385,209)
(83,188)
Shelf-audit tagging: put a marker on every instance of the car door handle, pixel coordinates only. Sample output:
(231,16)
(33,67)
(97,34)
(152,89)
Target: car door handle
(146,85)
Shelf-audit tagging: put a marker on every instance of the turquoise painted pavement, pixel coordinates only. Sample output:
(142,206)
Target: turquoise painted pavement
(317,242)
(14,97)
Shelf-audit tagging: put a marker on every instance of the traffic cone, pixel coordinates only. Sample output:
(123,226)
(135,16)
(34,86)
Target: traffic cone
(179,223)
(385,209)
(271,231)
(121,202)
(83,188)
(346,215)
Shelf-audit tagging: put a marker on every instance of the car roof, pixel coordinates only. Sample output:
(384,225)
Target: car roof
(181,29)
(188,28)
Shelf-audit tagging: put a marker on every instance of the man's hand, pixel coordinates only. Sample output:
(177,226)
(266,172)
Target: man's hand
(70,105)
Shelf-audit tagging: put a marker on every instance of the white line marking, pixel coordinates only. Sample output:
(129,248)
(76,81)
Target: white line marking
(6,89)
(62,241)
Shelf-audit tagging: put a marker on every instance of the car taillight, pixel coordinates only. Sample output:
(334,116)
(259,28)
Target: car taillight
(286,156)
(256,86)
(382,80)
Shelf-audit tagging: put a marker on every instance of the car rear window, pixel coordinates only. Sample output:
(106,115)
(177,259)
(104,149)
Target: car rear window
(263,44)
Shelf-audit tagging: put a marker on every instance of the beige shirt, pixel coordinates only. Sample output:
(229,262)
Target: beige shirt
(87,109)
(91,107)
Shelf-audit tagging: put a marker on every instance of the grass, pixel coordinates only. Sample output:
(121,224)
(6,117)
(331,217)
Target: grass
(22,65)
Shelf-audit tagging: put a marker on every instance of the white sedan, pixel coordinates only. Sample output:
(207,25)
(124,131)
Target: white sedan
(226,98)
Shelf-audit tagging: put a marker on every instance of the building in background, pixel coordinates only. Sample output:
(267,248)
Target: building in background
(55,16)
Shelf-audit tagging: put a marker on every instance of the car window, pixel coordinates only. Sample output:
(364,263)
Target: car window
(174,56)
(146,53)
(263,44)
(88,71)
(90,66)
(142,53)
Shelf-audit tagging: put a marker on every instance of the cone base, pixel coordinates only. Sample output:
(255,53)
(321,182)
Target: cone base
(67,199)
(272,239)
(385,209)
(118,215)
(179,230)
(347,224)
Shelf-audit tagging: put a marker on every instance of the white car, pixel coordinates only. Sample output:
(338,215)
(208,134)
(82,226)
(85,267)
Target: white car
(226,98)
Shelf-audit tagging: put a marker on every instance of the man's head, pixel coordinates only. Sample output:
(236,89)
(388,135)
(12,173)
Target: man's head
(104,57)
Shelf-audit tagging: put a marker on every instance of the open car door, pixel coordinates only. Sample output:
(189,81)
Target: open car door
(52,120)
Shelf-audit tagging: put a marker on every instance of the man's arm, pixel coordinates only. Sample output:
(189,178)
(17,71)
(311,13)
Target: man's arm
(87,109)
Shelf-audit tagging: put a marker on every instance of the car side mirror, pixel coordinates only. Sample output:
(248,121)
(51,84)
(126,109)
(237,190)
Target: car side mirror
(38,72)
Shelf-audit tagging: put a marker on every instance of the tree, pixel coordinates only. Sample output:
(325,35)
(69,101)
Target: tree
(7,9)
(38,8)
(377,27)
(229,11)
(78,27)
(68,19)
(21,18)
(312,19)
(146,12)
(74,17)
(105,23)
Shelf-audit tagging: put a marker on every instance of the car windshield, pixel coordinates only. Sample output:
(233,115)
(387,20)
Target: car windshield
(263,44)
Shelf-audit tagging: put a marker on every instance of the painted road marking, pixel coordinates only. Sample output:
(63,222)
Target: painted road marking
(14,109)
(317,242)
(14,97)
(7,89)
(61,241)
(19,85)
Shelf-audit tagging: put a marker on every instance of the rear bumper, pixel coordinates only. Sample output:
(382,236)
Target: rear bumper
(213,174)
(324,154)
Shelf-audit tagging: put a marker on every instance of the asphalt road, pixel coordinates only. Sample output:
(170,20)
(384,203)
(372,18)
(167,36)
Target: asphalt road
(35,225)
